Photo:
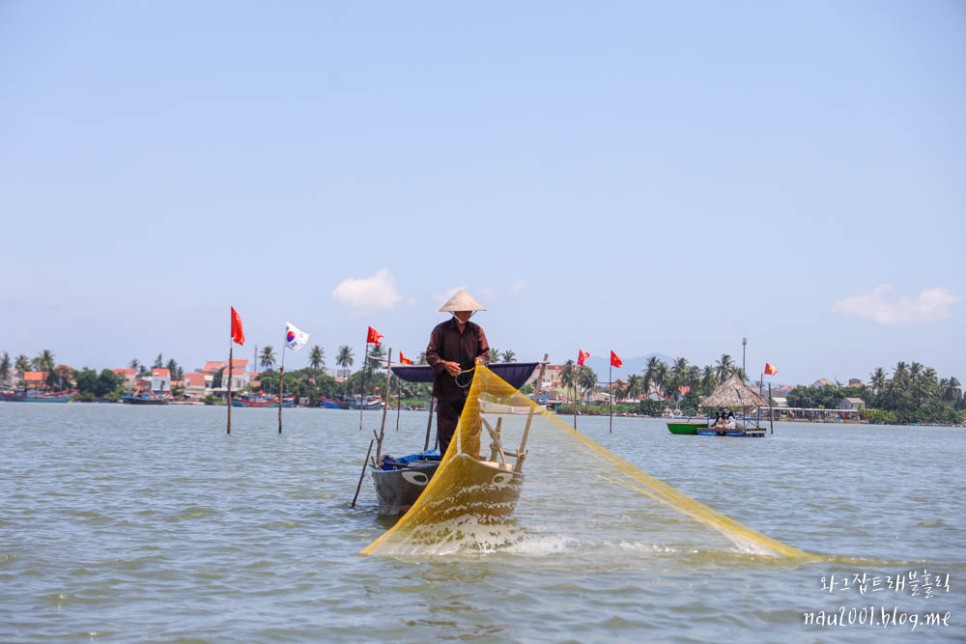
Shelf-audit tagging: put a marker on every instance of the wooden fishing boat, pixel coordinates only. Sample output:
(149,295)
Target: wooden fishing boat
(146,398)
(35,395)
(370,402)
(332,403)
(257,400)
(487,488)
(400,481)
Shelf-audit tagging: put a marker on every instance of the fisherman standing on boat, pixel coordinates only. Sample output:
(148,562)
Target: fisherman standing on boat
(455,348)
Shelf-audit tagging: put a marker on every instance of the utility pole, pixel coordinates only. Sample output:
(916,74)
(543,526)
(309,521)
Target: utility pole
(744,343)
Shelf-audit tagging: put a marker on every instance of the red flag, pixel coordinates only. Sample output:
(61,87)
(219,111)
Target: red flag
(581,356)
(614,360)
(770,369)
(684,389)
(403,359)
(237,334)
(374,337)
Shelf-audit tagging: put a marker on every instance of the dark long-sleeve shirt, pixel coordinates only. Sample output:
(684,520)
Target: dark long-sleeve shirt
(446,343)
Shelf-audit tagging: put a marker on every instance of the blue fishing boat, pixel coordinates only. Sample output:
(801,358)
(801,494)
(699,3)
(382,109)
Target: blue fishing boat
(35,395)
(332,403)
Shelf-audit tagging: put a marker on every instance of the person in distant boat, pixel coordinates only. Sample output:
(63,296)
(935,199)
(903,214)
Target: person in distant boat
(456,346)
(731,423)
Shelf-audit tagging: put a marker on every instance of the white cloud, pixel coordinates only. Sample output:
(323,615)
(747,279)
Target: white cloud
(369,293)
(928,306)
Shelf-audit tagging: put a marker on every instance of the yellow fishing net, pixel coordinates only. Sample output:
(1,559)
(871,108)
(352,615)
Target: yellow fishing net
(471,500)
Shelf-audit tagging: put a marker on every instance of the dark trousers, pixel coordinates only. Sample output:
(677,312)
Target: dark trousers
(447,416)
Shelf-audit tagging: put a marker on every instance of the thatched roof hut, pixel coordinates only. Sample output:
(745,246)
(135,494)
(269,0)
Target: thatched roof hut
(734,393)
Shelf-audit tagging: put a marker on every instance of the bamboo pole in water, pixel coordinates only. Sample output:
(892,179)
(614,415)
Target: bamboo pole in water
(231,348)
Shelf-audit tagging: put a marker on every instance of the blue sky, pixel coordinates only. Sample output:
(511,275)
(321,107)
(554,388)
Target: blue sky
(640,177)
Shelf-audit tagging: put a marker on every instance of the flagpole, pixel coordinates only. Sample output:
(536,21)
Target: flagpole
(281,376)
(231,347)
(382,427)
(576,377)
(771,412)
(610,393)
(362,393)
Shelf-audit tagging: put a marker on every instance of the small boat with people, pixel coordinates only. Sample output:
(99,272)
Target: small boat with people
(491,483)
(37,395)
(146,397)
(734,400)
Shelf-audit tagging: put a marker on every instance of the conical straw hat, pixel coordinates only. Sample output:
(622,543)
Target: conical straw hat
(462,301)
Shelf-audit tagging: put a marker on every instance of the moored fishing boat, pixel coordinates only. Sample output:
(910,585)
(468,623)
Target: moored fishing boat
(370,402)
(332,403)
(35,395)
(146,398)
(257,400)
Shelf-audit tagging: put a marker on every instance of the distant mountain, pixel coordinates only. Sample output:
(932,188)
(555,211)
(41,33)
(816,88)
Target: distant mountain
(631,366)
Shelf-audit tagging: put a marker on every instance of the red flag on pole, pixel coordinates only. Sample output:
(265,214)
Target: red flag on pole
(581,356)
(403,359)
(373,337)
(237,334)
(770,369)
(614,360)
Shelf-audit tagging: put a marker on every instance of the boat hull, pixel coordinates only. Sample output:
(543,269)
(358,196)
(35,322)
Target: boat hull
(57,397)
(484,491)
(398,489)
(139,400)
(685,427)
(267,404)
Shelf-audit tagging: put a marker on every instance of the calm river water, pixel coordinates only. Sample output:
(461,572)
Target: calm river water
(124,524)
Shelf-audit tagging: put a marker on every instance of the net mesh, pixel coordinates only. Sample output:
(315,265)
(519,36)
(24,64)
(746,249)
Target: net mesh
(471,500)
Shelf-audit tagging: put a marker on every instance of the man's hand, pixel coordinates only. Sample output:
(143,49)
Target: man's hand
(453,368)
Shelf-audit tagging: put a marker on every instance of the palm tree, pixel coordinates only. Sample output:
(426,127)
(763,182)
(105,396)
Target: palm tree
(44,361)
(177,373)
(708,380)
(679,373)
(509,356)
(568,376)
(587,380)
(344,358)
(267,359)
(877,380)
(724,367)
(651,372)
(495,355)
(5,365)
(317,357)
(635,387)
(949,390)
(22,365)
(158,362)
